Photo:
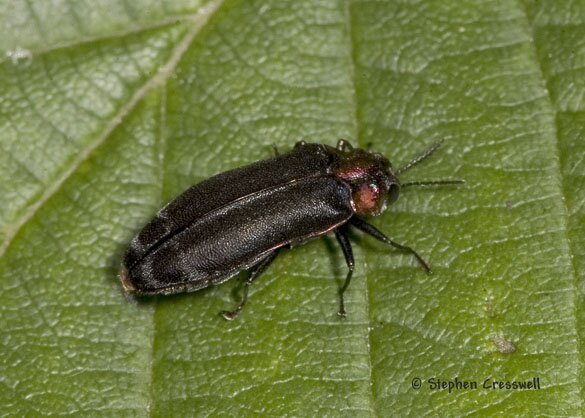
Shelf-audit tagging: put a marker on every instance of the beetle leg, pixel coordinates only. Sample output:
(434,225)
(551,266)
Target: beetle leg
(275,152)
(255,271)
(344,145)
(373,231)
(342,238)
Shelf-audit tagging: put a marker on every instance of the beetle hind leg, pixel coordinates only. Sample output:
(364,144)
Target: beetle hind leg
(255,271)
(343,239)
(373,231)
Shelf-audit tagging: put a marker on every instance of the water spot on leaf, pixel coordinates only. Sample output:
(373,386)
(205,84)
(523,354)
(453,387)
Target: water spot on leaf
(20,56)
(503,345)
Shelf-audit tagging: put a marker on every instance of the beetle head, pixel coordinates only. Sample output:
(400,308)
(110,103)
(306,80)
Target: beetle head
(373,182)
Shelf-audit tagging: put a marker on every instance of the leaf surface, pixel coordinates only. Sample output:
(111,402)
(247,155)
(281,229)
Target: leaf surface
(109,111)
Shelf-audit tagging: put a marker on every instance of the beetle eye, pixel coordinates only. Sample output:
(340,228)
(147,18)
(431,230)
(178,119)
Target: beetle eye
(393,193)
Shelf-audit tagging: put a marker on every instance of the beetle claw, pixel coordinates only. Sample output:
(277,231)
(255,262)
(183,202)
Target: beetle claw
(229,315)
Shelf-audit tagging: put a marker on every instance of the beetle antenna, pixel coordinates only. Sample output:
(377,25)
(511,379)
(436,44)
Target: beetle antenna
(431,183)
(426,154)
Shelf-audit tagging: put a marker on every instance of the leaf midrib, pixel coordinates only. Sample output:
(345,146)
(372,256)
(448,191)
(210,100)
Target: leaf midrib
(352,63)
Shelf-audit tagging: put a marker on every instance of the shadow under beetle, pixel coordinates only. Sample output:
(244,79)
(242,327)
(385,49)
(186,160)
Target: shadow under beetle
(242,218)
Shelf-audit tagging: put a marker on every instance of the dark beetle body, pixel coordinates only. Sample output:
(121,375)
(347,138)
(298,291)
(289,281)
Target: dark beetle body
(238,219)
(229,222)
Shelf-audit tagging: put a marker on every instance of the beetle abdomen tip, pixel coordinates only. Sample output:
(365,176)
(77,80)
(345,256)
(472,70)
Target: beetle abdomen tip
(126,281)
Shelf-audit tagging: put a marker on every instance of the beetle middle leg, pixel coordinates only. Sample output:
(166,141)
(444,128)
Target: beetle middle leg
(373,231)
(255,271)
(343,239)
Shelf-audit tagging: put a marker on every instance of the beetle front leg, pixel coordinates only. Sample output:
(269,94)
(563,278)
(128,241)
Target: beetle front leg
(344,145)
(343,239)
(373,231)
(255,271)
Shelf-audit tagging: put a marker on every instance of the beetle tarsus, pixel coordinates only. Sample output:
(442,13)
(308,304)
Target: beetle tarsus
(229,315)
(254,273)
(343,239)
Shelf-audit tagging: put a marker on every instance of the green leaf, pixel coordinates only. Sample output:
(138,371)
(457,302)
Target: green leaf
(109,110)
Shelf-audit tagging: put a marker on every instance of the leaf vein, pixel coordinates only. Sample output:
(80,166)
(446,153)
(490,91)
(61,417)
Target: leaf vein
(158,79)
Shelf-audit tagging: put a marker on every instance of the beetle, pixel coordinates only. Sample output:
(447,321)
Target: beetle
(241,219)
